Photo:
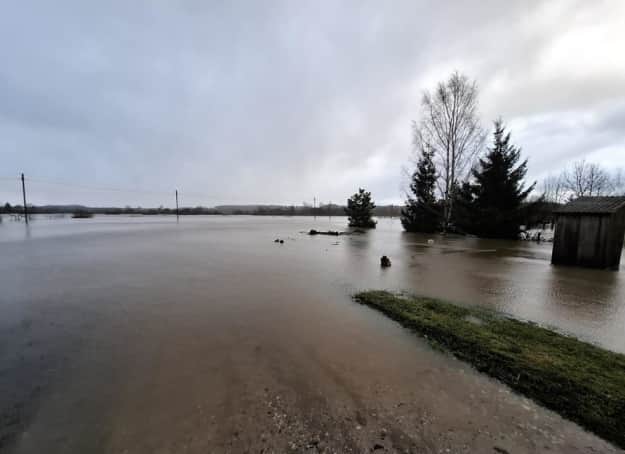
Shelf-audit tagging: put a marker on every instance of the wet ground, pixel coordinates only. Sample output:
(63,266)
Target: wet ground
(141,335)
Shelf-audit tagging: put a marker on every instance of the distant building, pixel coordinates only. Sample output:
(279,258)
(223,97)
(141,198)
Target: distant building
(589,232)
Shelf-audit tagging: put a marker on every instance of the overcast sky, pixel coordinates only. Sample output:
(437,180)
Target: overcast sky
(277,102)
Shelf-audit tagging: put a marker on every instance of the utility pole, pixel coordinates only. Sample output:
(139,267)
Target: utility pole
(24,195)
(330,210)
(315,207)
(177,212)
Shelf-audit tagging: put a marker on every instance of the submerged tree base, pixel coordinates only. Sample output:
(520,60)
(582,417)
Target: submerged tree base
(580,381)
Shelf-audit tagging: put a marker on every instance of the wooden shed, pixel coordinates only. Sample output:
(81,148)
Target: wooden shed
(589,232)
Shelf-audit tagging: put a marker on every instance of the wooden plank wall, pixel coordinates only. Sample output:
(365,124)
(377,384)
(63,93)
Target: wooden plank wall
(616,236)
(592,240)
(565,240)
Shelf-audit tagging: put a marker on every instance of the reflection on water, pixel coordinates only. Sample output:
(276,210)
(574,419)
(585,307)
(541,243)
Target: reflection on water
(114,255)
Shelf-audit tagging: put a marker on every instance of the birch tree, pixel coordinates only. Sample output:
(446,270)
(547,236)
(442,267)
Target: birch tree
(450,127)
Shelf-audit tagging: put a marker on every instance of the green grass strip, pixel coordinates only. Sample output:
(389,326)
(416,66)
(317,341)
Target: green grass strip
(580,381)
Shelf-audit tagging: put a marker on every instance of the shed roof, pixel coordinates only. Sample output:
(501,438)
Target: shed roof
(593,205)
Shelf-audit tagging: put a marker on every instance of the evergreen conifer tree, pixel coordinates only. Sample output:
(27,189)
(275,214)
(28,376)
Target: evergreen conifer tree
(359,209)
(421,212)
(463,218)
(498,188)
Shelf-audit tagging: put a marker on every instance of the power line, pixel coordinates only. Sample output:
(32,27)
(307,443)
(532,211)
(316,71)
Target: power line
(113,189)
(97,188)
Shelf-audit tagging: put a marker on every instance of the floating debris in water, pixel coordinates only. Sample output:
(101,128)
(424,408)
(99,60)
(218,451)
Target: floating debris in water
(327,232)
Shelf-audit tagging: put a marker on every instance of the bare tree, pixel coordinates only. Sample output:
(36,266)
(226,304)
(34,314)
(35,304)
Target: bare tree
(586,179)
(618,182)
(554,189)
(450,127)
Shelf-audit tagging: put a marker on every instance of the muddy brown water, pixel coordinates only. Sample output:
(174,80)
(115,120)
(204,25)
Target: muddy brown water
(138,334)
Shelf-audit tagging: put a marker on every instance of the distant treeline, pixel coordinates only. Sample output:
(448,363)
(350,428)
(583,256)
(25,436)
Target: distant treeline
(302,210)
(64,209)
(259,210)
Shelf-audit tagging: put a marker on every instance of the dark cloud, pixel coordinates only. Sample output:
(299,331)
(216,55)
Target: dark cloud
(281,101)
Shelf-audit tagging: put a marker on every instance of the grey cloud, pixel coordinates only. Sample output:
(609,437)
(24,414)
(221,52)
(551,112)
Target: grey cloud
(273,101)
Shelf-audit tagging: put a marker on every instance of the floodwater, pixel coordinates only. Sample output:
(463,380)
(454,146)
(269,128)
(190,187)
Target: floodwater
(140,334)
